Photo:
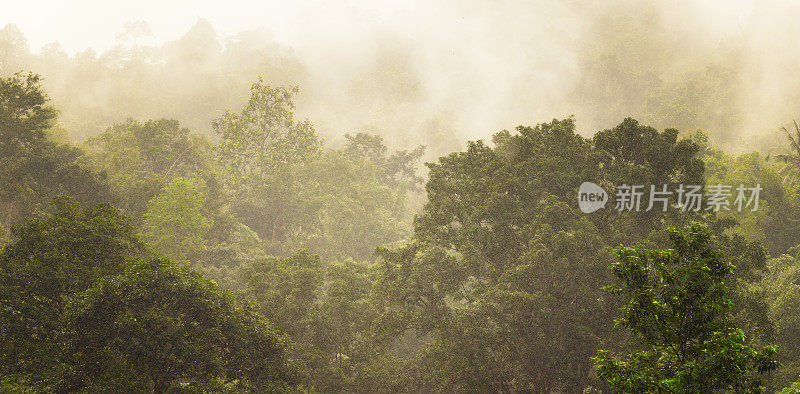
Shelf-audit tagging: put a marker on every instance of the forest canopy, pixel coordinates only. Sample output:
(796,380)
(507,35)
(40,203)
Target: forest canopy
(247,251)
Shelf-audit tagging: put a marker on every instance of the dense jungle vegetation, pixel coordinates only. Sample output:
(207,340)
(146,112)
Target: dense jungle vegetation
(154,258)
(231,213)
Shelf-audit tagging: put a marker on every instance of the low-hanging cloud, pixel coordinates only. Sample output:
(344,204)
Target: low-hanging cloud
(439,73)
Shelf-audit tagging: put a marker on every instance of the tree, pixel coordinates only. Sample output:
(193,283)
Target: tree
(350,360)
(295,195)
(34,169)
(643,154)
(170,184)
(345,209)
(286,289)
(159,326)
(791,171)
(85,307)
(678,308)
(776,223)
(636,154)
(14,50)
(396,169)
(782,287)
(502,271)
(175,224)
(328,309)
(260,148)
(141,158)
(51,258)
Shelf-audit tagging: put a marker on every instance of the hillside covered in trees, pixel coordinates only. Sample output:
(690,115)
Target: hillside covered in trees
(245,251)
(151,257)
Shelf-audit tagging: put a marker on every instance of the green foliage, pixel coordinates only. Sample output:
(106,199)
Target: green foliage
(643,154)
(84,307)
(498,287)
(285,288)
(396,169)
(503,271)
(782,288)
(636,154)
(159,325)
(170,183)
(141,158)
(34,169)
(174,224)
(794,388)
(776,223)
(792,160)
(52,258)
(23,112)
(264,136)
(329,312)
(346,209)
(500,259)
(340,203)
(259,149)
(677,306)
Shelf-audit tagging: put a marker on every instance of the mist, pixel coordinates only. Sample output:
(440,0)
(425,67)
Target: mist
(381,196)
(446,72)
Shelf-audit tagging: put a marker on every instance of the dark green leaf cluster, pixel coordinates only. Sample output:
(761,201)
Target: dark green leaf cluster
(677,307)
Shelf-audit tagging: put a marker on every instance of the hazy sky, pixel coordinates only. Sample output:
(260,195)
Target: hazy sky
(82,24)
(483,66)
